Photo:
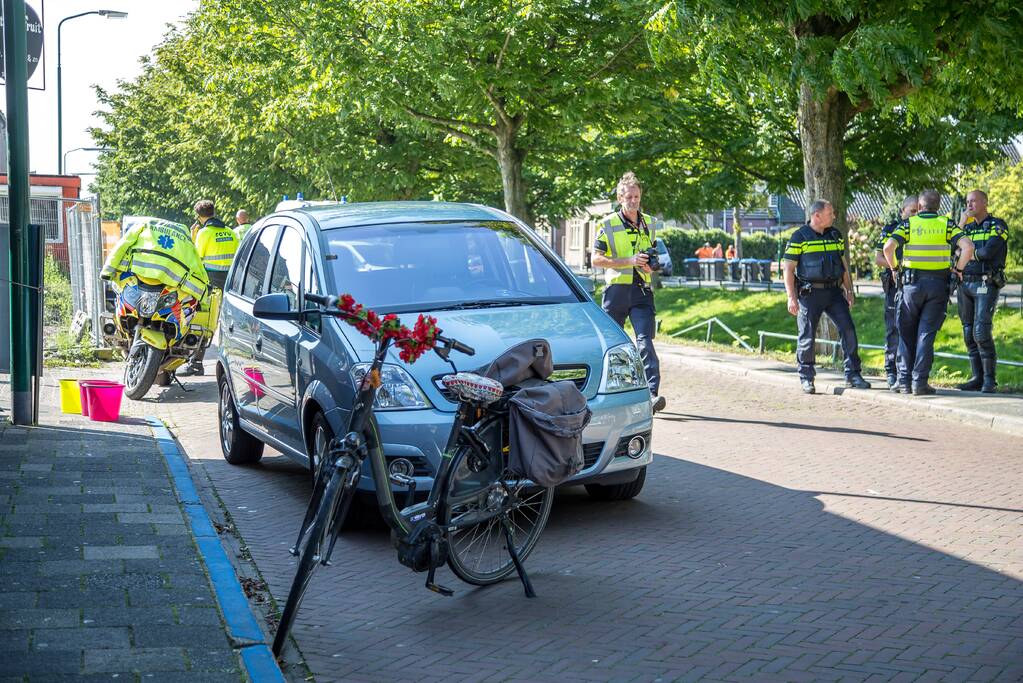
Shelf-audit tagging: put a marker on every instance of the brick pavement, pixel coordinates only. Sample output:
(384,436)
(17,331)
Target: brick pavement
(779,537)
(99,575)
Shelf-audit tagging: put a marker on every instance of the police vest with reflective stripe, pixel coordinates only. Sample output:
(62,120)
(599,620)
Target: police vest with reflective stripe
(620,245)
(980,234)
(927,246)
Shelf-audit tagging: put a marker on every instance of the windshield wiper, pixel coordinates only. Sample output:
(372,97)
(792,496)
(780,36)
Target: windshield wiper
(491,303)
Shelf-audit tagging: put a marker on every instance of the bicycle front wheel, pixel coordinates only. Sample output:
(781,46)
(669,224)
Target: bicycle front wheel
(314,545)
(479,499)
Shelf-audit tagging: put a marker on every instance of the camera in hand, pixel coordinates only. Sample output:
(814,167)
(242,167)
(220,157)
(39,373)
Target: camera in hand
(652,260)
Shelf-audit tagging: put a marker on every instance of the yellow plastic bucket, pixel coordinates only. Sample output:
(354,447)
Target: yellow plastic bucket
(70,397)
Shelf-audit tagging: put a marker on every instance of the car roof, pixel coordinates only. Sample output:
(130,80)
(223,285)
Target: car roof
(332,216)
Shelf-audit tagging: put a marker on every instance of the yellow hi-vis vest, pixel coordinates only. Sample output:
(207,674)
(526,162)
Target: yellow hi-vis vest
(619,245)
(159,251)
(927,242)
(216,244)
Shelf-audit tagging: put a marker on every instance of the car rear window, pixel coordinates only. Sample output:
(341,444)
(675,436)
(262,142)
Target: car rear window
(404,268)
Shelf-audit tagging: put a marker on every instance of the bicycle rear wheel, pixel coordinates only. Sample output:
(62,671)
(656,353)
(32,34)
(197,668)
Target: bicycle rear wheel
(313,545)
(476,501)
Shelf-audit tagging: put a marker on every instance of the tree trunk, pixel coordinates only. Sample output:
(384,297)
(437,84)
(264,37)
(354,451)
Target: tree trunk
(509,159)
(822,126)
(737,232)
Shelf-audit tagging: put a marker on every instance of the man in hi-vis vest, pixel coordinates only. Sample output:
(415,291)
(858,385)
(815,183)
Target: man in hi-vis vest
(623,239)
(928,241)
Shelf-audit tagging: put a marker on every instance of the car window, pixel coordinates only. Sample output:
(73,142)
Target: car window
(409,267)
(311,285)
(661,247)
(255,271)
(287,270)
(235,284)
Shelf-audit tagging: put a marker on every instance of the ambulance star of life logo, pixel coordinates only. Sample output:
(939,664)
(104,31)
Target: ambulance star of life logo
(166,242)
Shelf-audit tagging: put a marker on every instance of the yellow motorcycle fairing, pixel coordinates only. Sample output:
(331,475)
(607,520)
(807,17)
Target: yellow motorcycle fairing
(154,338)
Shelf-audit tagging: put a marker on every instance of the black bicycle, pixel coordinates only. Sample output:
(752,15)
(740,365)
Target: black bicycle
(480,518)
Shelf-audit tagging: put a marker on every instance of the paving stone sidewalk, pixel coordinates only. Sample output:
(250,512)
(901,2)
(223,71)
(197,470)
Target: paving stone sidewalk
(100,578)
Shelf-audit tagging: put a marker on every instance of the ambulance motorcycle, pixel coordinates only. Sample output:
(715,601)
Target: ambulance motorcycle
(158,328)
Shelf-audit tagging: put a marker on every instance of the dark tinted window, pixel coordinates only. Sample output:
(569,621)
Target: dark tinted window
(255,271)
(238,273)
(310,284)
(287,270)
(419,267)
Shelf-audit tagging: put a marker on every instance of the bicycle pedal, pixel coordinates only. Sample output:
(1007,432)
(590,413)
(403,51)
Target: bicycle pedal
(436,588)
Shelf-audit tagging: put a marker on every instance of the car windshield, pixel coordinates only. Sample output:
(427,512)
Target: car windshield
(433,266)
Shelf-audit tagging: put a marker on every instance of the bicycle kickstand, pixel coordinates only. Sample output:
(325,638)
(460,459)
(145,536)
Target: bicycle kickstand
(510,540)
(436,588)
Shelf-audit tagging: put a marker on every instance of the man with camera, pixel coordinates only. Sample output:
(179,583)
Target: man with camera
(817,281)
(624,247)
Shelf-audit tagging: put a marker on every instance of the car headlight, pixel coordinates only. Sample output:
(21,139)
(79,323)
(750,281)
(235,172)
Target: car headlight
(397,388)
(623,370)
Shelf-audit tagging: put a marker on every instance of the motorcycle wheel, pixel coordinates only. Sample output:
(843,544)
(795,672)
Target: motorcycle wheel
(140,369)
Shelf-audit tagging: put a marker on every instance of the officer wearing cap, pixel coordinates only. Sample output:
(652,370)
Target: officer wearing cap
(926,239)
(621,246)
(817,281)
(983,278)
(893,367)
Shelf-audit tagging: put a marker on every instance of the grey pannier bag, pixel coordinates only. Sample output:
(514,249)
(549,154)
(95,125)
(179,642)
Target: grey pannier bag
(546,419)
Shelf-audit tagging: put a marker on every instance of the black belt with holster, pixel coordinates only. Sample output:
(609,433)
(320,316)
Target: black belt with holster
(805,286)
(996,279)
(913,275)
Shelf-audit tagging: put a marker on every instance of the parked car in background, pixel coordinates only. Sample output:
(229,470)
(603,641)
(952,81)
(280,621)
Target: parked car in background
(489,281)
(664,256)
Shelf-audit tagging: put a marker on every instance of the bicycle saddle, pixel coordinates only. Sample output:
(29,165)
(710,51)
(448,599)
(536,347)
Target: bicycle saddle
(468,386)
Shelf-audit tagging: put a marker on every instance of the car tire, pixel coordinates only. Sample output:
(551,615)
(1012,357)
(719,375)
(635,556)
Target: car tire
(238,446)
(609,492)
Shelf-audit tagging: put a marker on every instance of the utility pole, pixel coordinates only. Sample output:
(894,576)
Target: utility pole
(24,293)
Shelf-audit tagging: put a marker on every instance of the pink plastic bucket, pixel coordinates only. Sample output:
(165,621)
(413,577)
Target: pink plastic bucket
(85,395)
(104,401)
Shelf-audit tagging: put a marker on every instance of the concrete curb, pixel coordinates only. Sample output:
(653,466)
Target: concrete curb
(242,626)
(929,405)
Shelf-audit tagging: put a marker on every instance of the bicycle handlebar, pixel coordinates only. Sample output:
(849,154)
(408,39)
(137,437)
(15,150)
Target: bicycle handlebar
(328,301)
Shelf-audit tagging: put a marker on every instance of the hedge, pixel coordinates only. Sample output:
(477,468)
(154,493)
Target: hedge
(682,244)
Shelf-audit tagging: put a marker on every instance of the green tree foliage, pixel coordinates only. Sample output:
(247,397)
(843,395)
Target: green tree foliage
(875,94)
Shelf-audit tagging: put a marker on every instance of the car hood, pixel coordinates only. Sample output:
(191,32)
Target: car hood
(579,334)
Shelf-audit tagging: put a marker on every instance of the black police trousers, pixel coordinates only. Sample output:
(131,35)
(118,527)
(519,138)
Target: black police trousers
(891,329)
(977,302)
(637,304)
(921,315)
(811,306)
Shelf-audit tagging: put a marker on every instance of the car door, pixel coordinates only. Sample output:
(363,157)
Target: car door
(277,345)
(244,329)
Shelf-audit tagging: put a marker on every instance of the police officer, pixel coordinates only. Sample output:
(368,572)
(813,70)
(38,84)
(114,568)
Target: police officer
(158,252)
(242,224)
(620,247)
(817,281)
(926,238)
(895,369)
(983,277)
(216,244)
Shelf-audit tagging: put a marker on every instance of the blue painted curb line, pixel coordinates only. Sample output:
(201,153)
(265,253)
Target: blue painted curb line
(241,624)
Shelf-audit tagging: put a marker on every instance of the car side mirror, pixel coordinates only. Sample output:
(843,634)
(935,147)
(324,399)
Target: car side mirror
(275,306)
(587,283)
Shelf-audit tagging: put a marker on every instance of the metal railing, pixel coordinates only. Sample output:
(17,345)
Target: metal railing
(836,344)
(710,322)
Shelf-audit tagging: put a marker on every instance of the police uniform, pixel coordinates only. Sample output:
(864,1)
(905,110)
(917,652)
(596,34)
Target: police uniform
(928,240)
(159,252)
(895,370)
(216,244)
(628,293)
(983,278)
(819,272)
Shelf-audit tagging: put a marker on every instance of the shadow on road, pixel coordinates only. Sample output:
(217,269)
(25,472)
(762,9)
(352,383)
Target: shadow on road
(685,417)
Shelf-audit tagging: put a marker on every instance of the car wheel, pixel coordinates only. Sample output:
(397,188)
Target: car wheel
(618,491)
(319,445)
(238,446)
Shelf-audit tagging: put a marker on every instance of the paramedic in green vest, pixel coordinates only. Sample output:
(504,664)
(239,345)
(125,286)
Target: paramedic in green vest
(620,248)
(927,240)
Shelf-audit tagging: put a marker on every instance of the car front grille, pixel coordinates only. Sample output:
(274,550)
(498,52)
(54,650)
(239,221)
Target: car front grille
(591,453)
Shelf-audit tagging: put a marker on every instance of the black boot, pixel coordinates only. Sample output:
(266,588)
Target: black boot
(977,379)
(989,384)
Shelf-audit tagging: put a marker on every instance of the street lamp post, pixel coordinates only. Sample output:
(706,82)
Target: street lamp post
(81,149)
(109,14)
